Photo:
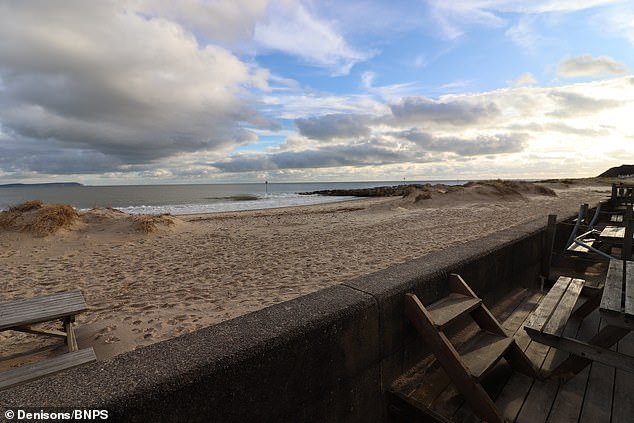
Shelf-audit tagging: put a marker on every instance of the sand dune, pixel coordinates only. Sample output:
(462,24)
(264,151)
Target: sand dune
(194,271)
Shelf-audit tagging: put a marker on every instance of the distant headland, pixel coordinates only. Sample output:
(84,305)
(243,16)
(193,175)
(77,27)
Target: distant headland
(45,184)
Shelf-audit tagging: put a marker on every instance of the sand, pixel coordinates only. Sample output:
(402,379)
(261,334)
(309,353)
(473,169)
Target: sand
(203,269)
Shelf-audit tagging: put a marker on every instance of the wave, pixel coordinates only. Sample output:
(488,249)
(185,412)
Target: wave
(236,203)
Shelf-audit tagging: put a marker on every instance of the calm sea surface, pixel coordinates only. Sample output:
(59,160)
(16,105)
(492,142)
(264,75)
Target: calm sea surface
(184,199)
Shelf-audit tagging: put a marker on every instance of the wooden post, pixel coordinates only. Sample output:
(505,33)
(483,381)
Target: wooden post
(549,243)
(627,241)
(613,197)
(583,213)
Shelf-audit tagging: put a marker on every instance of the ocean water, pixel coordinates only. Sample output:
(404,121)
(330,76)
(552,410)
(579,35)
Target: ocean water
(186,199)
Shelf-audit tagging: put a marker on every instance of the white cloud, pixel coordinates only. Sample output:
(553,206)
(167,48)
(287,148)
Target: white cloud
(501,128)
(524,34)
(294,30)
(586,65)
(525,79)
(367,79)
(455,16)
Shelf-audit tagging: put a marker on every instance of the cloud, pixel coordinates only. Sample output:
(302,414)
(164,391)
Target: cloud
(480,145)
(329,127)
(294,30)
(129,88)
(512,125)
(586,65)
(367,79)
(454,17)
(524,34)
(216,21)
(524,80)
(421,110)
(369,153)
(573,104)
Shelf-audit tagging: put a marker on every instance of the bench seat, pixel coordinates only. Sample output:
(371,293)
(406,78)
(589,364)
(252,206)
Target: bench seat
(46,367)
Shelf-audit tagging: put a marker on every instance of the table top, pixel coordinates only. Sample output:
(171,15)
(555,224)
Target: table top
(613,232)
(617,301)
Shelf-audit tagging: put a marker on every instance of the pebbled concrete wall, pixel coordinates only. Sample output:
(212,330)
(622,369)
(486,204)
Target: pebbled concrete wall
(324,357)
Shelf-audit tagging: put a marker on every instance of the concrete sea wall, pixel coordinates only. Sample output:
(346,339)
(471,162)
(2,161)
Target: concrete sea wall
(324,357)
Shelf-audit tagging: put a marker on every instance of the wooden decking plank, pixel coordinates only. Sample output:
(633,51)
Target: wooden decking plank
(611,300)
(562,312)
(434,383)
(46,367)
(450,308)
(622,402)
(539,318)
(567,404)
(409,410)
(493,384)
(512,397)
(538,403)
(597,402)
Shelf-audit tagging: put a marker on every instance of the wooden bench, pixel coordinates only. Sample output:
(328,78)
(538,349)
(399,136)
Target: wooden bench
(24,315)
(46,367)
(616,308)
(550,318)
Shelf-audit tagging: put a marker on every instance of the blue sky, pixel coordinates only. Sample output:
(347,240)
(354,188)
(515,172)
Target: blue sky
(154,91)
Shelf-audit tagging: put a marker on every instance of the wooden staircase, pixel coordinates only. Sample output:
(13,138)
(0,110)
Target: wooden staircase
(465,366)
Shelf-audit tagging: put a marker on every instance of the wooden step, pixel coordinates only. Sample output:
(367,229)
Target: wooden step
(450,308)
(483,352)
(46,367)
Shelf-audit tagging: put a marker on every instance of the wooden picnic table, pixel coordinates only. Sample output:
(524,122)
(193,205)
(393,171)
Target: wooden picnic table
(616,307)
(24,316)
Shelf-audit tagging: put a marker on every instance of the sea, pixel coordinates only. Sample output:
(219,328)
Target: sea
(187,198)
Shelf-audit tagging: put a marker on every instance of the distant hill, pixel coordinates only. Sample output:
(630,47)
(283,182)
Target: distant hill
(46,184)
(618,171)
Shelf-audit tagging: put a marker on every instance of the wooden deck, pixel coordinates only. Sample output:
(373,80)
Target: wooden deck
(598,394)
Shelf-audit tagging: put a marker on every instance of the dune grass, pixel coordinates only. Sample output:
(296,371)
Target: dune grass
(150,223)
(38,218)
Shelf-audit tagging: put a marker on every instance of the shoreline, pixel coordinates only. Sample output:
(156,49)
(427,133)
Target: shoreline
(207,268)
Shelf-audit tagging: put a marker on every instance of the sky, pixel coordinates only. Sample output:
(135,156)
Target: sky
(206,91)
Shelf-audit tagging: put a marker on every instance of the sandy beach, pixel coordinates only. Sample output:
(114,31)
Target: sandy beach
(203,269)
